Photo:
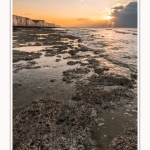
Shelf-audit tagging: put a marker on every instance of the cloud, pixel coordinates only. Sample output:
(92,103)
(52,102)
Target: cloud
(126,17)
(118,7)
(123,16)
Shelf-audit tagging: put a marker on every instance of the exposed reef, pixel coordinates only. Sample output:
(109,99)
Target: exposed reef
(67,96)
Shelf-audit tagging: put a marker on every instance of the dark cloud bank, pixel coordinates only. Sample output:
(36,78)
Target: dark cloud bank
(123,17)
(126,17)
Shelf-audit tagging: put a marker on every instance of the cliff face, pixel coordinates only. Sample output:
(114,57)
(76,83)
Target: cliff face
(22,21)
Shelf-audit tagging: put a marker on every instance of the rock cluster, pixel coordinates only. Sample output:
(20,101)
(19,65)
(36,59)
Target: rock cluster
(126,141)
(28,65)
(21,55)
(74,74)
(110,80)
(73,62)
(48,124)
(95,94)
(15,85)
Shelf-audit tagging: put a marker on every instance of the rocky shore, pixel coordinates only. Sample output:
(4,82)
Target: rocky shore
(61,91)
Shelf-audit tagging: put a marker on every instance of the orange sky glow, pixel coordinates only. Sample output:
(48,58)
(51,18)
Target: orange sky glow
(69,13)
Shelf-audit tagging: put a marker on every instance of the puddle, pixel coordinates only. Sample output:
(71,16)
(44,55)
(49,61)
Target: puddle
(42,34)
(31,48)
(85,53)
(30,43)
(14,41)
(41,38)
(114,124)
(36,82)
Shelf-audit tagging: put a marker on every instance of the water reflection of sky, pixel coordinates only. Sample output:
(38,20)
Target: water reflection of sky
(119,43)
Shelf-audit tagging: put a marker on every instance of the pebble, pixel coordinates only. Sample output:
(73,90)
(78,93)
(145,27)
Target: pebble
(128,114)
(127,110)
(52,80)
(100,124)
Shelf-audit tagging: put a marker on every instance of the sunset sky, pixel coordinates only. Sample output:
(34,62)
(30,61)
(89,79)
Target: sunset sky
(80,13)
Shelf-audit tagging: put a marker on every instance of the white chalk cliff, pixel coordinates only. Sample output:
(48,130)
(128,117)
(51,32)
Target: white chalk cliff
(22,21)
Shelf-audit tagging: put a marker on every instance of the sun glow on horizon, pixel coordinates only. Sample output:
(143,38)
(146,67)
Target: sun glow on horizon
(107,14)
(69,13)
(108,17)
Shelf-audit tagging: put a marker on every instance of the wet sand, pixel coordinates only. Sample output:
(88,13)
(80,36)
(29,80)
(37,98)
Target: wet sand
(69,96)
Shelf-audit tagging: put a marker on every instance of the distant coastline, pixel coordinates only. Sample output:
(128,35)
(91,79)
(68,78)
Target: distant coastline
(19,21)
